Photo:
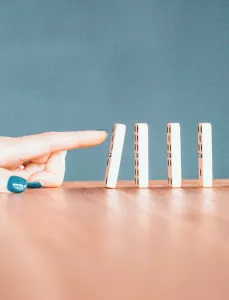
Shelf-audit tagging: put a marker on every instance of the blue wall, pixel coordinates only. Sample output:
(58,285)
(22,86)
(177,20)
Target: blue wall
(69,65)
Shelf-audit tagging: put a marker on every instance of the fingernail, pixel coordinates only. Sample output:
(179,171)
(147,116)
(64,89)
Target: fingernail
(16,184)
(34,185)
(107,131)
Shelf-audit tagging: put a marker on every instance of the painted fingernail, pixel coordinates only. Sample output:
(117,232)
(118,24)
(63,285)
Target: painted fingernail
(16,184)
(107,131)
(34,185)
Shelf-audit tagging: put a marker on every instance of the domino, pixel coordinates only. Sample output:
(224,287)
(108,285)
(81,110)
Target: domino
(115,155)
(205,154)
(174,155)
(141,163)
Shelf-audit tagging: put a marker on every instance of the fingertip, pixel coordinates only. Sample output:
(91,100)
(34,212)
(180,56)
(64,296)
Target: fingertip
(92,138)
(103,139)
(105,130)
(45,179)
(104,134)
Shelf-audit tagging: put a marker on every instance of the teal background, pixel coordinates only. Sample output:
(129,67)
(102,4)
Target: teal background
(70,65)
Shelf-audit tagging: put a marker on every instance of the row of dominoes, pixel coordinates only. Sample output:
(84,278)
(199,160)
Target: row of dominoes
(141,162)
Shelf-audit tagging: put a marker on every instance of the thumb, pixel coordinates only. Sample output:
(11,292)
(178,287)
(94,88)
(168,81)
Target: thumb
(11,183)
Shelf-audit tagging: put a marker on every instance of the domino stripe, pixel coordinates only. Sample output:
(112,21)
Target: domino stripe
(174,155)
(141,155)
(115,155)
(205,154)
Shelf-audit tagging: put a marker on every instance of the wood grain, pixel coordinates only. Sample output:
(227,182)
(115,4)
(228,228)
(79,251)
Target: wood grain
(83,241)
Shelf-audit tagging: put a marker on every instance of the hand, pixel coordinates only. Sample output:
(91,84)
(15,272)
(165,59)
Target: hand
(39,160)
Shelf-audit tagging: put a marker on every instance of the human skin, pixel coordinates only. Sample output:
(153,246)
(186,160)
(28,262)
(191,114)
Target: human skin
(39,160)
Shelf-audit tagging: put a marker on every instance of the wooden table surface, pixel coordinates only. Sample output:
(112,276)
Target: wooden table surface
(83,241)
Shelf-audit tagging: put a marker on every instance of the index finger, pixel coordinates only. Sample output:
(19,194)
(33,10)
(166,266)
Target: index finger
(29,147)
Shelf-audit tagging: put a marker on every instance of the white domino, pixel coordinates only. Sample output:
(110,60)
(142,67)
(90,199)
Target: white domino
(115,155)
(141,162)
(174,154)
(205,154)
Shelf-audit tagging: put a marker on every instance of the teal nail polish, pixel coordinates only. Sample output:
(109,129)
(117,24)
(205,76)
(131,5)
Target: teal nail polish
(107,131)
(16,184)
(34,185)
